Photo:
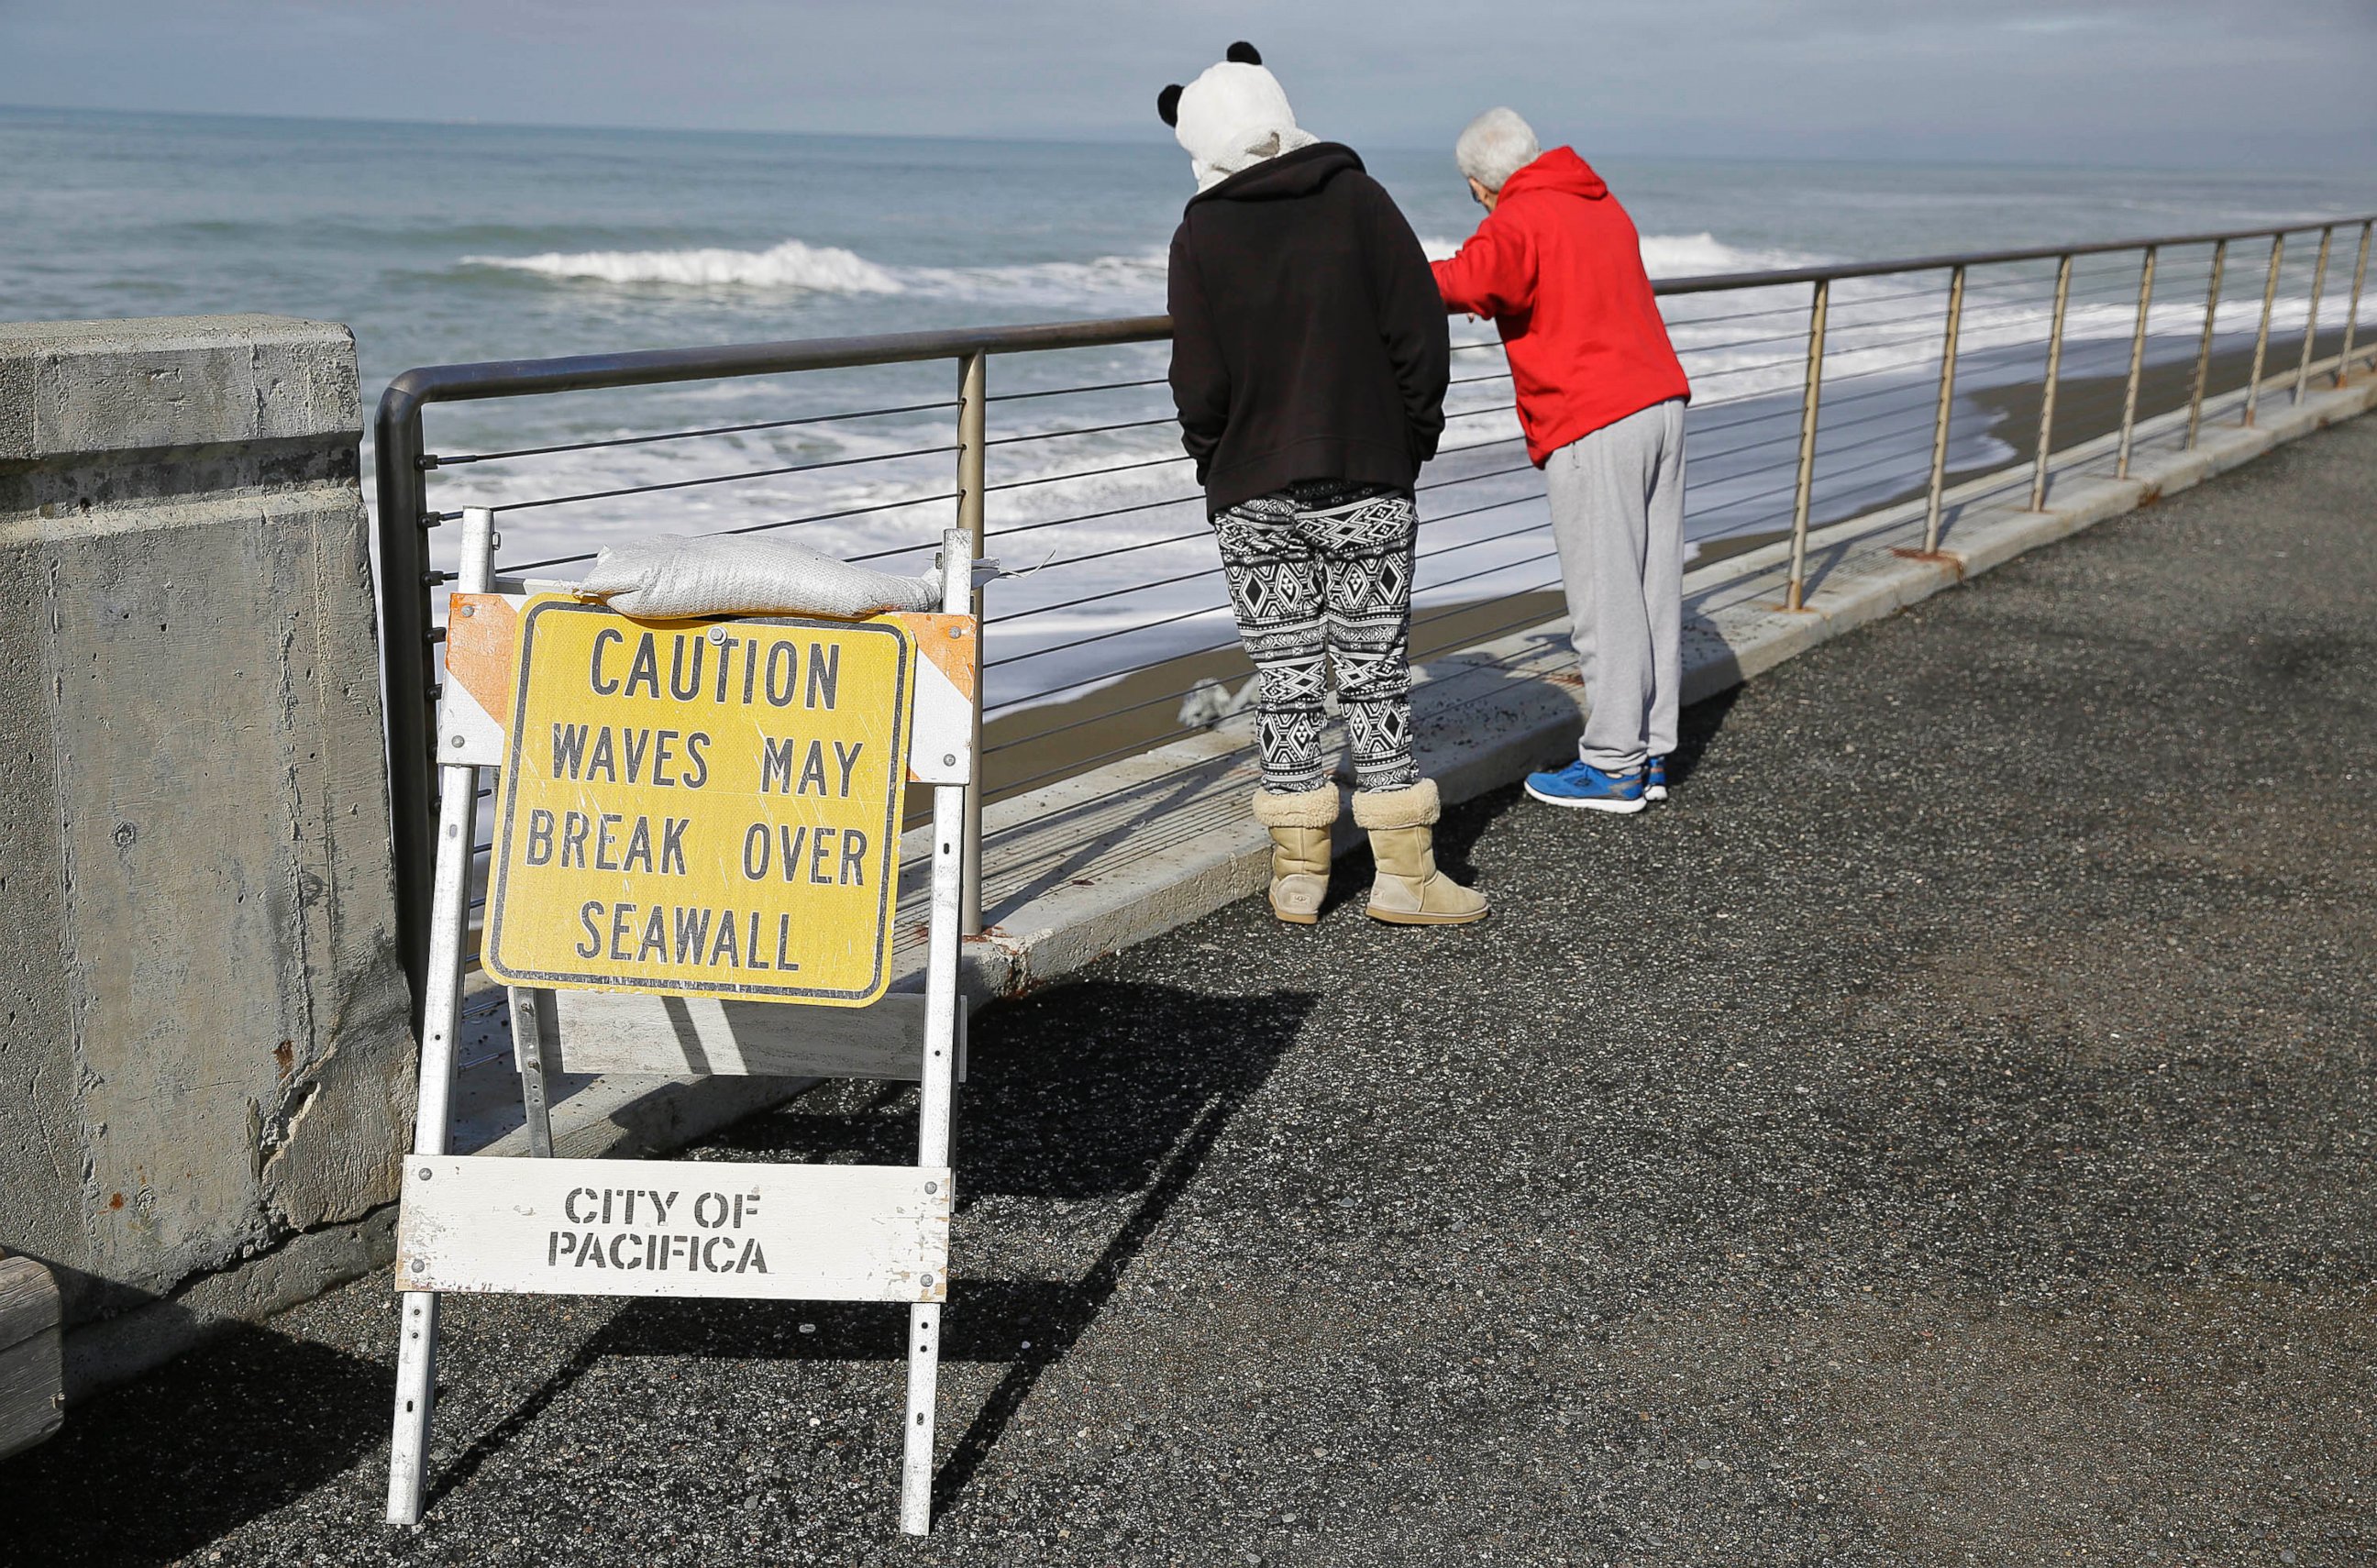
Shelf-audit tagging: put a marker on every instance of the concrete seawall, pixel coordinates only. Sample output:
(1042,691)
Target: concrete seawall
(206,1073)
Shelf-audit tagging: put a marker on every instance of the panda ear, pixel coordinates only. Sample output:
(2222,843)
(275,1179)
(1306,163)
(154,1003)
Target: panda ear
(1167,104)
(1243,54)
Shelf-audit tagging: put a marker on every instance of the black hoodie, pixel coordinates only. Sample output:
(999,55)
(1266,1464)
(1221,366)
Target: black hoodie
(1308,335)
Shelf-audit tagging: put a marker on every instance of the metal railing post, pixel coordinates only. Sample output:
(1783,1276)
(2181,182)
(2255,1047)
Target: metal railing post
(404,587)
(973,420)
(2261,337)
(2352,316)
(2311,315)
(2054,373)
(1947,401)
(2203,350)
(2137,364)
(1794,596)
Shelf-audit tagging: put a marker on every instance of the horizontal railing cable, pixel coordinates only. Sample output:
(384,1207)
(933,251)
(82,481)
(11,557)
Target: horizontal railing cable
(724,478)
(1474,478)
(1083,474)
(458,460)
(1085,430)
(1010,660)
(1077,392)
(1096,516)
(1131,549)
(1103,594)
(510,569)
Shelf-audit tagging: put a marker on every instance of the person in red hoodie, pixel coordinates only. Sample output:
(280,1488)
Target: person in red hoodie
(1559,267)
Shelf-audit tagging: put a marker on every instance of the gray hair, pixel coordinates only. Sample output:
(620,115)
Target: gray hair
(1497,145)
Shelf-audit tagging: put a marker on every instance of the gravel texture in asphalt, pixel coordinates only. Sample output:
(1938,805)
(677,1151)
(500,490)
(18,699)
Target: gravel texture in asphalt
(1942,1135)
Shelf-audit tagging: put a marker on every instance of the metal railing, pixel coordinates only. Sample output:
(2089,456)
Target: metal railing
(1821,394)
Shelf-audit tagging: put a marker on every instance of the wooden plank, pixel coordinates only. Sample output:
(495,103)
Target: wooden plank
(634,1031)
(31,1407)
(662,1228)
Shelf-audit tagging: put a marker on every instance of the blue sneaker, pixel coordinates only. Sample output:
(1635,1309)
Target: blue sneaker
(1655,779)
(1584,787)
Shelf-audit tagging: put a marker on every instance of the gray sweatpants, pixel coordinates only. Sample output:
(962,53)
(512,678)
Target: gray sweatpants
(1618,517)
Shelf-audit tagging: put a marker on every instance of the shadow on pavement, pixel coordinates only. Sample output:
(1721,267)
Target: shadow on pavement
(146,1473)
(1696,729)
(1464,824)
(1090,1090)
(1144,1081)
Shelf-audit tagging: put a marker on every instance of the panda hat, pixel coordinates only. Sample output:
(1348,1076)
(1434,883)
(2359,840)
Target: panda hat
(1232,118)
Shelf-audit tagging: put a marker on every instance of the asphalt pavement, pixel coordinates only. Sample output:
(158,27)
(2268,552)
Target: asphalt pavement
(1942,1135)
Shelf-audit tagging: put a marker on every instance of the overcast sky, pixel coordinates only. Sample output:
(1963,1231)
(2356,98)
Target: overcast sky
(2212,82)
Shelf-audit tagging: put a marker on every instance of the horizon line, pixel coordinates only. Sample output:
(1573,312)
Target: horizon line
(1620,149)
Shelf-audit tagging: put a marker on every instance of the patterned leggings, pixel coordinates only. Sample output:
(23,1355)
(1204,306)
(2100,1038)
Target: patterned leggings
(1325,567)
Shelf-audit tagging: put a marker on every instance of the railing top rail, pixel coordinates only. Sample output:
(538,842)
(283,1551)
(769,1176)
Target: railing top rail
(577,373)
(1716,282)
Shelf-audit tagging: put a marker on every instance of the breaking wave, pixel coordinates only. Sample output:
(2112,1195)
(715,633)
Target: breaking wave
(1133,281)
(795,265)
(1691,255)
(1116,280)
(792,265)
(1672,256)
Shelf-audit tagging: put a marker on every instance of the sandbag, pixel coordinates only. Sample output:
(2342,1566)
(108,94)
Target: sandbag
(667,576)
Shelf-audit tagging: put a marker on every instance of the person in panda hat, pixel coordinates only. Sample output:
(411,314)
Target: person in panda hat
(1309,359)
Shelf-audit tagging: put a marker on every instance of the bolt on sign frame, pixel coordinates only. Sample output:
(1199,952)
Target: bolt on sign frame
(545,1225)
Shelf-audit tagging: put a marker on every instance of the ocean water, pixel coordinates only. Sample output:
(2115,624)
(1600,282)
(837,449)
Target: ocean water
(442,244)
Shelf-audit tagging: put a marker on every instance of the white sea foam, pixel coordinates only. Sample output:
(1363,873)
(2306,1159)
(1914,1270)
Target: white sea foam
(1107,280)
(1670,256)
(792,265)
(1691,255)
(1103,282)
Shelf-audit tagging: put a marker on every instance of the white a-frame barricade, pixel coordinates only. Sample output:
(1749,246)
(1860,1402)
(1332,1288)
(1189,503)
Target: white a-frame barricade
(697,822)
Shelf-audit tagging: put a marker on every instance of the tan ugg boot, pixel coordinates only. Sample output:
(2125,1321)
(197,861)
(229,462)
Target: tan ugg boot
(1410,890)
(1299,827)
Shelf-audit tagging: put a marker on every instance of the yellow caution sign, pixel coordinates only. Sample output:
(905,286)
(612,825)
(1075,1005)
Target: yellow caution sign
(708,807)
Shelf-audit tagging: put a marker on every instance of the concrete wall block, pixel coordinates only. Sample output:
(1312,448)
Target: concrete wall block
(74,388)
(217,1057)
(40,1149)
(195,681)
(111,1350)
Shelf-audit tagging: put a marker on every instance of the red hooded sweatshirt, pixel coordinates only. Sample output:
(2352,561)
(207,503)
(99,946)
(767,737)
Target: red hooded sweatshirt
(1559,267)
